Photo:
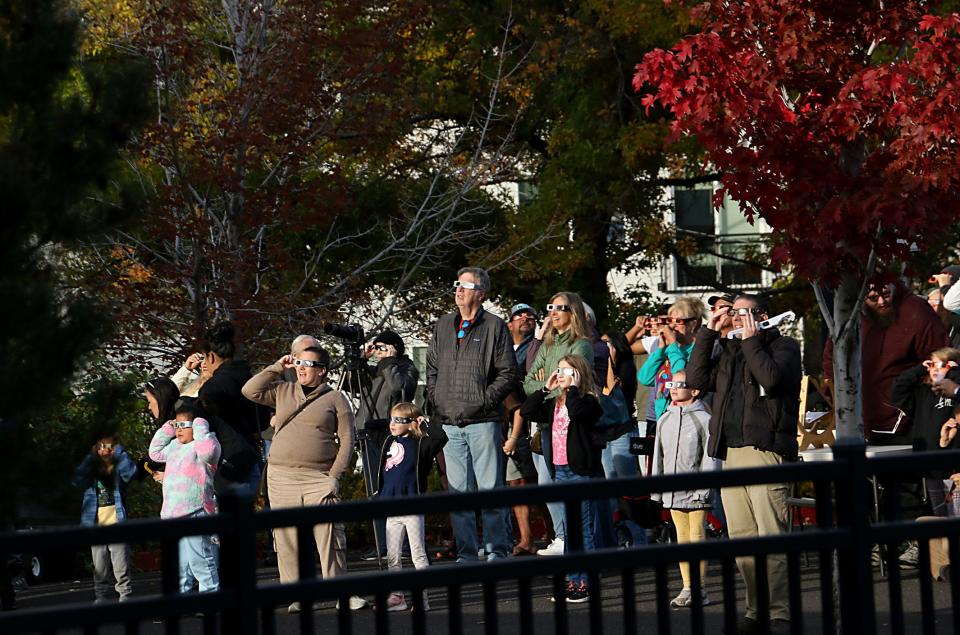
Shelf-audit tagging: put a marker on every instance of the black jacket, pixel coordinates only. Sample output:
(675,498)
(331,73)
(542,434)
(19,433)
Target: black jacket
(220,397)
(428,447)
(393,380)
(927,411)
(769,390)
(467,383)
(583,455)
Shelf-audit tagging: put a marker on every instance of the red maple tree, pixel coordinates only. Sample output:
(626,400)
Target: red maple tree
(833,121)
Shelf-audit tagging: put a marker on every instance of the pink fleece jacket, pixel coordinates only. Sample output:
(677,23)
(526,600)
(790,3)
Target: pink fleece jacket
(188,477)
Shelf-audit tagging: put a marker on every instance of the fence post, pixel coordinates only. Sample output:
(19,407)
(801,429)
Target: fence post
(853,514)
(238,563)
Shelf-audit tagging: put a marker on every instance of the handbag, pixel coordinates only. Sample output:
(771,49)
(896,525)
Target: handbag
(536,443)
(260,502)
(615,411)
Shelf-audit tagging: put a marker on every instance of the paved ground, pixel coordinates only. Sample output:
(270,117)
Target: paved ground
(48,595)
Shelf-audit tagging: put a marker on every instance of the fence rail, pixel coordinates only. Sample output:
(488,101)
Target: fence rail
(844,535)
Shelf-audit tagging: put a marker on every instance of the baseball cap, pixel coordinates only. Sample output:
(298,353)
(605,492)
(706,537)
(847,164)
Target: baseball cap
(522,306)
(953,270)
(727,297)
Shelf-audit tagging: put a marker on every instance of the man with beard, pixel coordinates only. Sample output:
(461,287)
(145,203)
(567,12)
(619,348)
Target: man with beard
(898,330)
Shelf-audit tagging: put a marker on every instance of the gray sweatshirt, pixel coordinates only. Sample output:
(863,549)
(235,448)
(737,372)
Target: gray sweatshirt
(681,446)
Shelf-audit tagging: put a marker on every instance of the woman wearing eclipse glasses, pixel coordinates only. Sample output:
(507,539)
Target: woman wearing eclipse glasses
(306,461)
(674,344)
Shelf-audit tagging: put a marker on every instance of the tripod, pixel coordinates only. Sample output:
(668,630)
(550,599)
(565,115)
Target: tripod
(352,385)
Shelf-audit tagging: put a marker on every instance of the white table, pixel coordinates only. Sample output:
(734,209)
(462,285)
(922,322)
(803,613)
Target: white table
(826,454)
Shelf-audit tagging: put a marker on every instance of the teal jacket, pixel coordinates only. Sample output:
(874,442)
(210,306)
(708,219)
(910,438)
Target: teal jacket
(653,374)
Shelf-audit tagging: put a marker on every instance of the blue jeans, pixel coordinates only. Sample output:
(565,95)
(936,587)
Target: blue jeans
(619,463)
(588,511)
(474,458)
(555,508)
(198,560)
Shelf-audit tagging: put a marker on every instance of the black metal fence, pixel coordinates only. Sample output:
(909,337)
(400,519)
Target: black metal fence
(843,538)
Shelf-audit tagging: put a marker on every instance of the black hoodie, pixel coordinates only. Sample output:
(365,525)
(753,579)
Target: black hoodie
(927,411)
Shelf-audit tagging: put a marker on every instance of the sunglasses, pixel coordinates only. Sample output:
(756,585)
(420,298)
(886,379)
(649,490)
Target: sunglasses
(182,424)
(462,333)
(675,321)
(674,384)
(307,363)
(380,347)
(569,372)
(106,446)
(560,307)
(742,311)
(402,419)
(522,316)
(472,286)
(938,364)
(886,294)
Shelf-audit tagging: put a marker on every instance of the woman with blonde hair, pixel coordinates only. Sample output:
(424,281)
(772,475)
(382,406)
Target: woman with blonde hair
(567,442)
(564,332)
(674,344)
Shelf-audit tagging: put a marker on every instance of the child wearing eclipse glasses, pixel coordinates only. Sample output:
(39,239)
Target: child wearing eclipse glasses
(926,394)
(568,446)
(191,453)
(406,458)
(103,476)
(681,446)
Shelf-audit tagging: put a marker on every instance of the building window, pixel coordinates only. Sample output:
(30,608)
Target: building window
(725,243)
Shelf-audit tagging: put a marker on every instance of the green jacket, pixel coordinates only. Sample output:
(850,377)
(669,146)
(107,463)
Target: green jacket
(549,356)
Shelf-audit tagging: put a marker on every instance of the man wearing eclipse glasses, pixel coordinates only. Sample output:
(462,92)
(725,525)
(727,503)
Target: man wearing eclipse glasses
(471,368)
(754,423)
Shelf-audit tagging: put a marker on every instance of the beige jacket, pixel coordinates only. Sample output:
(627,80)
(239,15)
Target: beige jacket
(320,437)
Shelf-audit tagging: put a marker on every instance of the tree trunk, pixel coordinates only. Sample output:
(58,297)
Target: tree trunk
(847,367)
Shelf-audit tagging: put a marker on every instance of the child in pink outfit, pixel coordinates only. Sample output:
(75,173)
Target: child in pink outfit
(191,453)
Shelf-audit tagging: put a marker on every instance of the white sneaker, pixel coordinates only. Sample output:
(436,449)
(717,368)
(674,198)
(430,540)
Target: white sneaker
(555,548)
(397,602)
(356,603)
(910,557)
(683,600)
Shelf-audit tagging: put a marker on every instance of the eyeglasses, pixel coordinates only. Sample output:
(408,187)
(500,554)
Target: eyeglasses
(938,364)
(675,321)
(309,363)
(106,446)
(744,311)
(402,419)
(569,372)
(674,384)
(182,424)
(886,294)
(522,316)
(472,286)
(379,347)
(462,333)
(933,302)
(560,307)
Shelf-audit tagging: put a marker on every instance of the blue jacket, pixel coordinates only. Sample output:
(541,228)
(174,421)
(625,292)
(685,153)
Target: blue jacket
(85,478)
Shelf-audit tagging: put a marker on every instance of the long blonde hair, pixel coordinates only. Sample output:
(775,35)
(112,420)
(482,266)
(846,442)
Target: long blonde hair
(579,328)
(588,383)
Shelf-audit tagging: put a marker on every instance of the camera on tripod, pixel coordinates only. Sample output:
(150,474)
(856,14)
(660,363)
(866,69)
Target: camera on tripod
(349,333)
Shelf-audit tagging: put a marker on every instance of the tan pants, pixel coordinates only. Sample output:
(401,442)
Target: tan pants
(939,552)
(690,528)
(299,487)
(758,510)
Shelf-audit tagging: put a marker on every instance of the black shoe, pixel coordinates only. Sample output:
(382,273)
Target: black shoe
(749,626)
(371,556)
(579,595)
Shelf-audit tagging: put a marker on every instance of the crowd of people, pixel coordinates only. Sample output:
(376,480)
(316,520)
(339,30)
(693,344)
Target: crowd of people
(528,400)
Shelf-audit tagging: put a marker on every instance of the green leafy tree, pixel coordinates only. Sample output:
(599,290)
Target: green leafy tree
(63,122)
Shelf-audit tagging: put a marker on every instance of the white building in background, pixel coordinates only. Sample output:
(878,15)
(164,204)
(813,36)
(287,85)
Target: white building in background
(726,238)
